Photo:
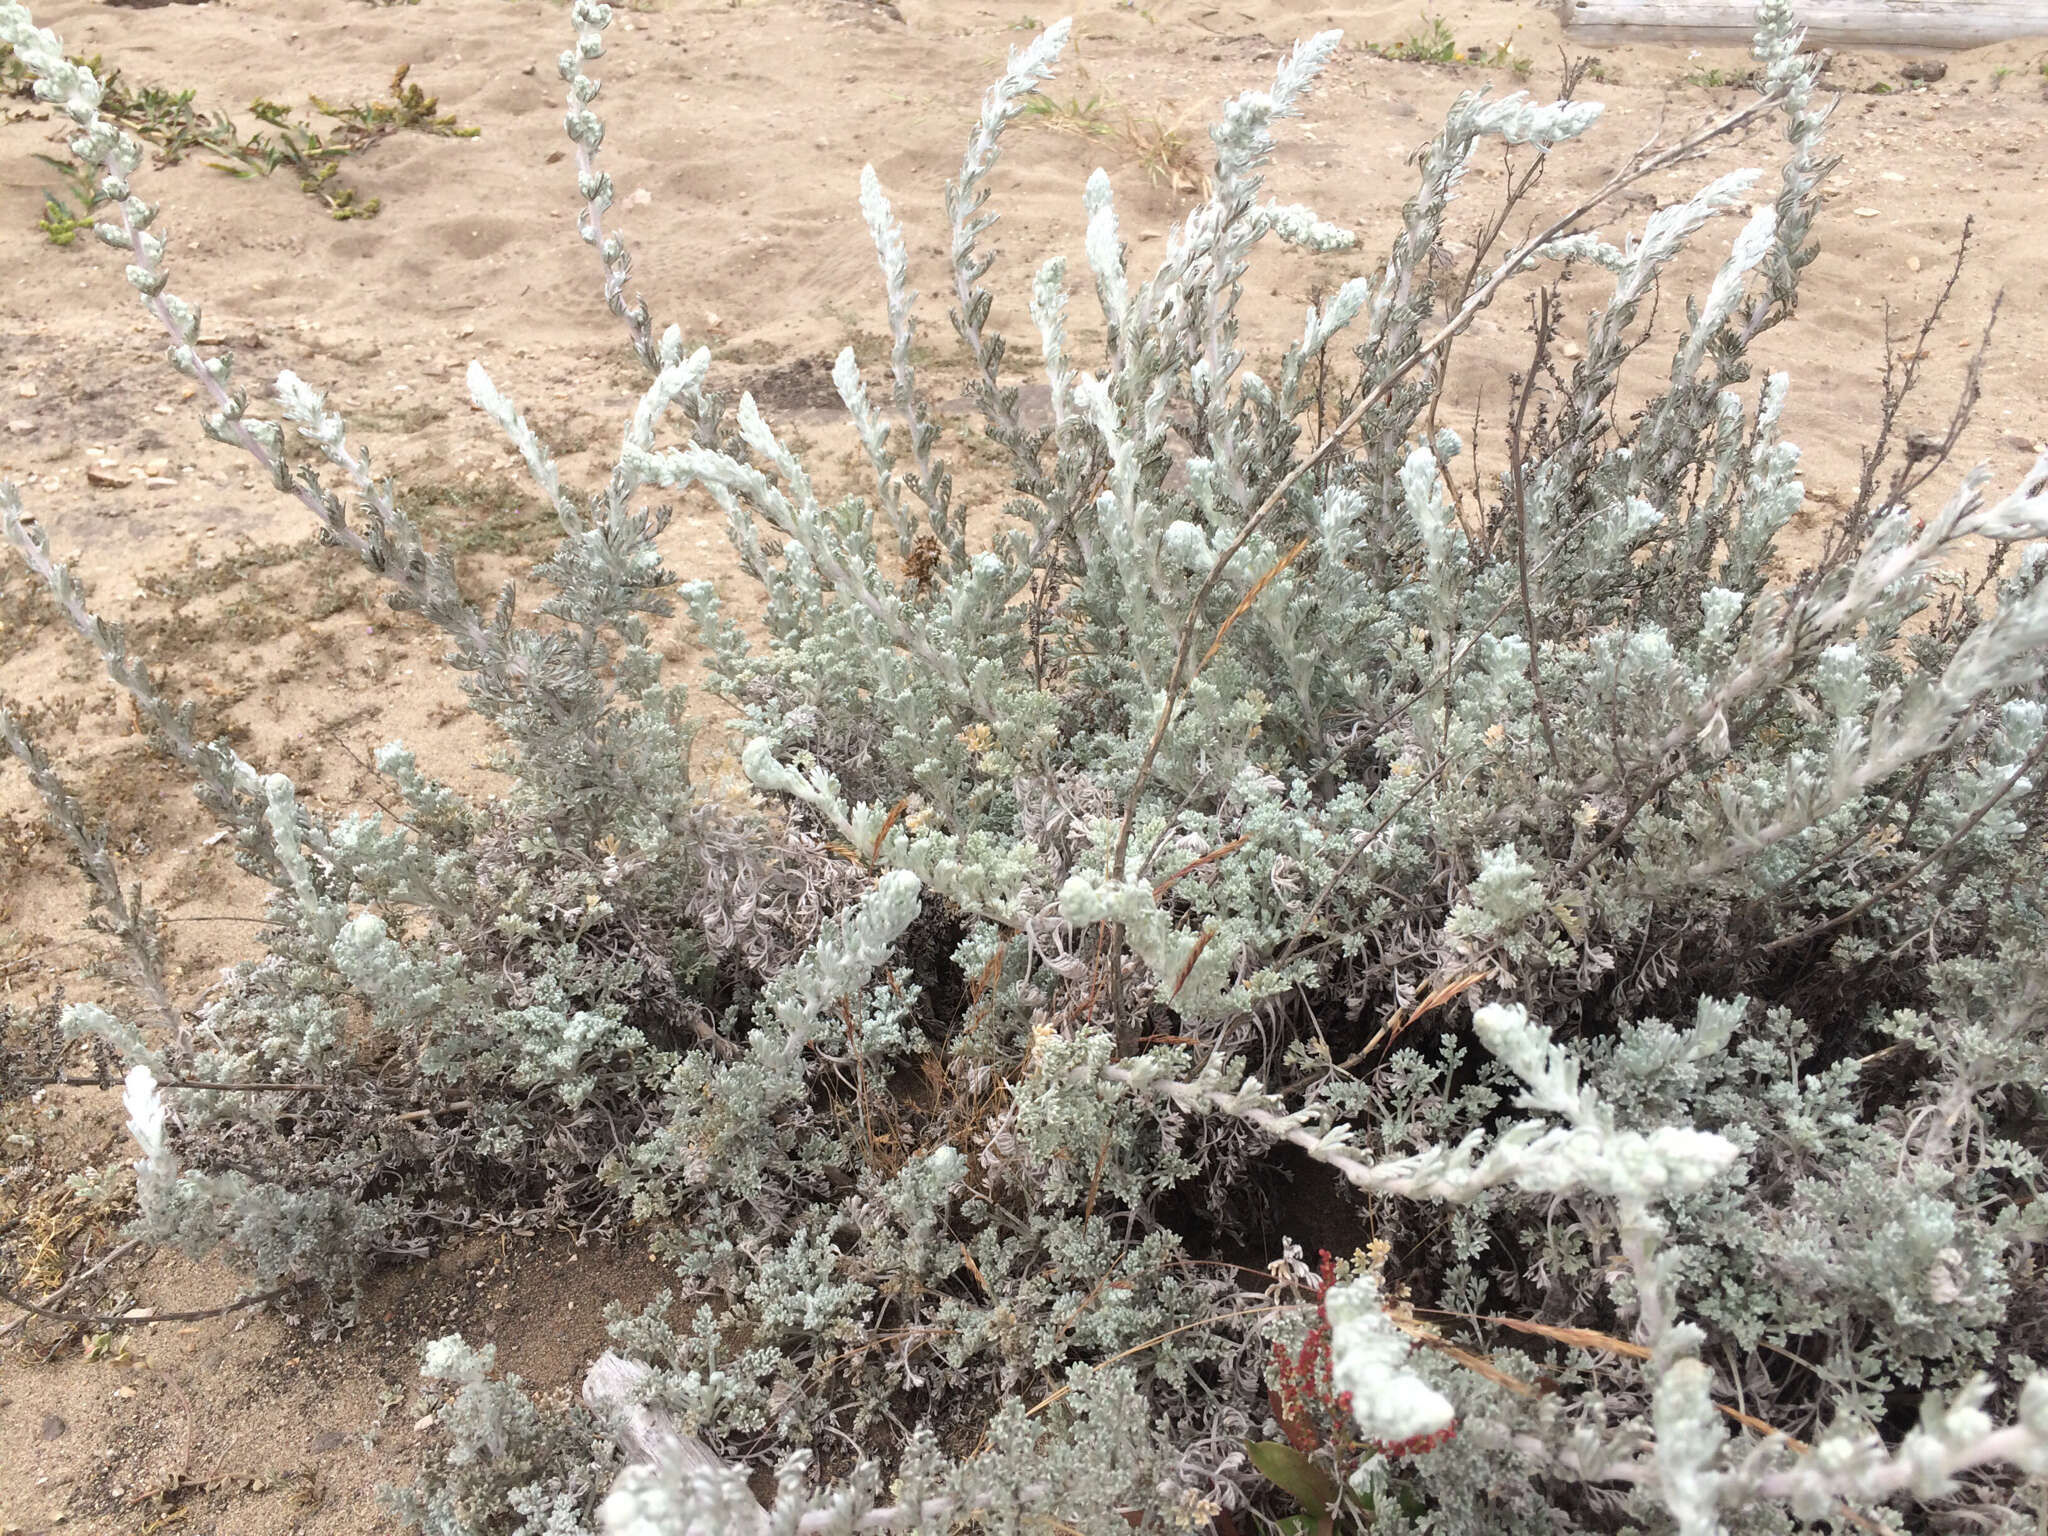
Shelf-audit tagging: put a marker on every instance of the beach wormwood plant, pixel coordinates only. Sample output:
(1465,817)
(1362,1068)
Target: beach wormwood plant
(1635,947)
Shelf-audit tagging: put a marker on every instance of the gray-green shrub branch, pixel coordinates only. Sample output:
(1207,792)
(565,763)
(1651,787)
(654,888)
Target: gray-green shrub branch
(662,356)
(586,132)
(125,916)
(427,583)
(227,785)
(1563,124)
(966,195)
(1232,756)
(542,689)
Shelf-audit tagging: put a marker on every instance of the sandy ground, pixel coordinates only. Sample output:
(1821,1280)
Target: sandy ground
(736,136)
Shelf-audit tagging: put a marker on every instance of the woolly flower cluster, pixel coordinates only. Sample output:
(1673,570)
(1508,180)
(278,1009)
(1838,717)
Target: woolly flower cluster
(145,1106)
(1369,1361)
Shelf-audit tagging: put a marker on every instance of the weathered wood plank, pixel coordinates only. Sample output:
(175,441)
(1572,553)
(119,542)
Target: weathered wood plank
(1842,23)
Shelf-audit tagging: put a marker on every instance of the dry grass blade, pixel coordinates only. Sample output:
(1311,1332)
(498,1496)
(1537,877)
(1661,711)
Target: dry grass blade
(1083,119)
(1248,599)
(1168,155)
(1403,1018)
(1188,966)
(1607,1343)
(1576,1338)
(1478,1365)
(1223,851)
(895,815)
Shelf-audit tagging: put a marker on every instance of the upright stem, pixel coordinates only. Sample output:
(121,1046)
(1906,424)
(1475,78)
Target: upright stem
(1182,675)
(1517,472)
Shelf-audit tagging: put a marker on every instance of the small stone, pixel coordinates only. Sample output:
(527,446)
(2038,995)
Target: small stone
(164,410)
(1866,213)
(53,1426)
(106,480)
(1569,349)
(1926,71)
(2019,440)
(1912,263)
(21,424)
(328,1440)
(640,197)
(423,1423)
(156,467)
(124,1393)
(27,389)
(161,483)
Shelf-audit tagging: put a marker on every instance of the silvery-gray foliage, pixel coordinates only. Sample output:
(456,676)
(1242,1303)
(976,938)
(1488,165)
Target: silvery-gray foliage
(543,1466)
(1115,852)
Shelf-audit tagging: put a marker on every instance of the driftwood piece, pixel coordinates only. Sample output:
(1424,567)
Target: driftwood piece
(1839,23)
